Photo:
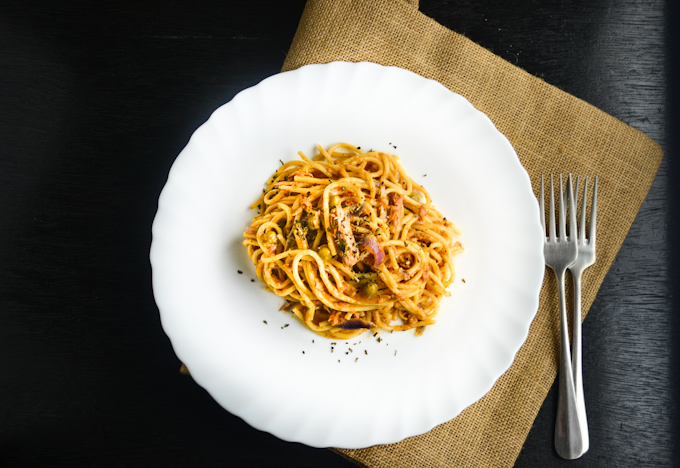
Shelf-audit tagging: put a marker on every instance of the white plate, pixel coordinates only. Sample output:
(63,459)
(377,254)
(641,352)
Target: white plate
(284,379)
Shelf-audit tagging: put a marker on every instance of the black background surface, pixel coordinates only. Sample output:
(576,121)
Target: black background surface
(96,101)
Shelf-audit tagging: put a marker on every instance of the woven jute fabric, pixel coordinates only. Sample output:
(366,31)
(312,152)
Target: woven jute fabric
(552,132)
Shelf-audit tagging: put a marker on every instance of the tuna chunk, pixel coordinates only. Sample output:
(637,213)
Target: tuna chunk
(345,238)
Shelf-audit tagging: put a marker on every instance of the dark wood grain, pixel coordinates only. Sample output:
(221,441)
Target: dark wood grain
(96,101)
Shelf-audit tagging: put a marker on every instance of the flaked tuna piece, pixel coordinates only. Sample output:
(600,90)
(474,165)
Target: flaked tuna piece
(383,203)
(345,238)
(396,213)
(422,212)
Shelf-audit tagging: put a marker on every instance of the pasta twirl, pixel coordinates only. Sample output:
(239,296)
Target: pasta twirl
(352,243)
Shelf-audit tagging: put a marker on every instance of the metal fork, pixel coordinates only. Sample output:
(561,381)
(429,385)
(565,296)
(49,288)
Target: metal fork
(585,258)
(560,253)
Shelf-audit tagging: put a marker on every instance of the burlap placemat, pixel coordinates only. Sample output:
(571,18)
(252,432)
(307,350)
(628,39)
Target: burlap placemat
(552,132)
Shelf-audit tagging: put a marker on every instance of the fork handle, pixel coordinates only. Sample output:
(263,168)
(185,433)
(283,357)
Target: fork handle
(576,359)
(568,424)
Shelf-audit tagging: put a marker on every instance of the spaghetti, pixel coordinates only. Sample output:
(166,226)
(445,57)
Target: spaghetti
(352,243)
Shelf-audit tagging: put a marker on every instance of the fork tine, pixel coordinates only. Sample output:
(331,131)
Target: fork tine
(572,208)
(578,180)
(563,211)
(582,224)
(566,203)
(551,228)
(564,195)
(593,215)
(542,204)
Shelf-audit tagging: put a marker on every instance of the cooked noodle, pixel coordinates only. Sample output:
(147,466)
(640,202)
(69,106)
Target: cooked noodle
(352,243)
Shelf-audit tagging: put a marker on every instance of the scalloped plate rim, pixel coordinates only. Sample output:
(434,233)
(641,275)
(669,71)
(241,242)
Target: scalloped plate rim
(177,339)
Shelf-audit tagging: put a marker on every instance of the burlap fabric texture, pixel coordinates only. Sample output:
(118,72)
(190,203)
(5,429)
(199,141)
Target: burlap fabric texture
(552,132)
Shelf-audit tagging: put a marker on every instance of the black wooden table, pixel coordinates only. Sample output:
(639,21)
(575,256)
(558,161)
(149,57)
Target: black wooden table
(96,101)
